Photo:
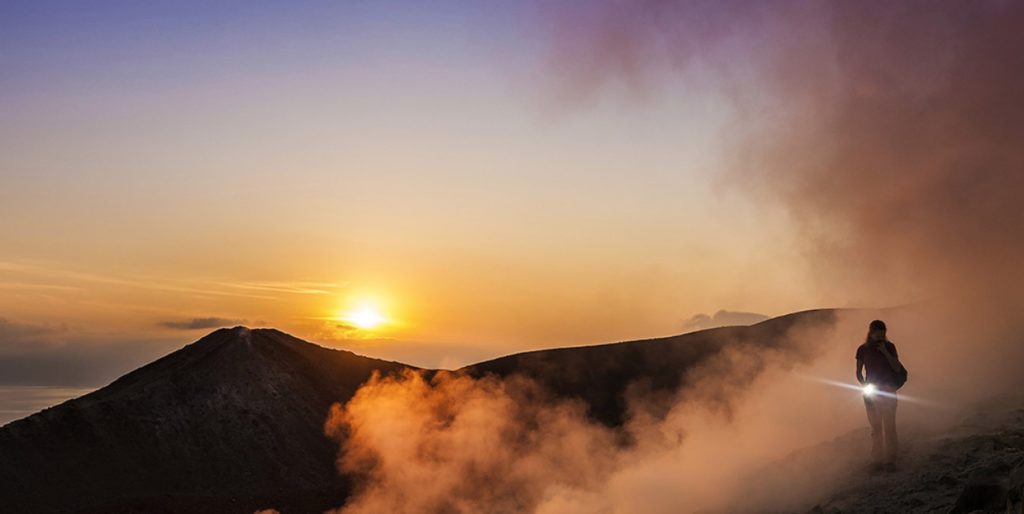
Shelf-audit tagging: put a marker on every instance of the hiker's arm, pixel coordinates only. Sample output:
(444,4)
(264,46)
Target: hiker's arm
(860,371)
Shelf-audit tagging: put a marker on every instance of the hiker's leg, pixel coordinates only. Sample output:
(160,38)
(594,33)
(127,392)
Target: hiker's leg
(889,422)
(875,420)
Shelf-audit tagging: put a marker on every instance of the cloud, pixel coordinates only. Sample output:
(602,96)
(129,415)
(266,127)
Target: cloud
(65,355)
(297,287)
(721,318)
(454,444)
(464,446)
(202,323)
(24,333)
(888,131)
(262,290)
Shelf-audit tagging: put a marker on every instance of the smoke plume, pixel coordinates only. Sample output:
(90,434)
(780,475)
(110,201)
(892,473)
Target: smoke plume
(891,133)
(455,444)
(889,130)
(461,445)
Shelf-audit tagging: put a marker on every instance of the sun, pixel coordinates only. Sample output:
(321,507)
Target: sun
(364,317)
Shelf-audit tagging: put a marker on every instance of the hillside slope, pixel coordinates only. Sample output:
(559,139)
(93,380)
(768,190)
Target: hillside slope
(600,374)
(975,467)
(222,425)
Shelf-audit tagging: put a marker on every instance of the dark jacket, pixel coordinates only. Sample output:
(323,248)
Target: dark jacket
(876,367)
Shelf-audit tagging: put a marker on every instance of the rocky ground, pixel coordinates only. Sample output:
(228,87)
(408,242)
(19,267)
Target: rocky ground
(975,467)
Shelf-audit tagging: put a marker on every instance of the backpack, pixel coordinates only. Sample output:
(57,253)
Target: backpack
(901,375)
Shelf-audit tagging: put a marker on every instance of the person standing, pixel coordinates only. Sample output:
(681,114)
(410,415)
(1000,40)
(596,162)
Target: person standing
(884,375)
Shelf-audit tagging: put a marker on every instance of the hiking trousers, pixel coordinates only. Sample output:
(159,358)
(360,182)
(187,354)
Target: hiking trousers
(881,408)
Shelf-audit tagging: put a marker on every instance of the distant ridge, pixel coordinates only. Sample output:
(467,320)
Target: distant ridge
(233,422)
(600,374)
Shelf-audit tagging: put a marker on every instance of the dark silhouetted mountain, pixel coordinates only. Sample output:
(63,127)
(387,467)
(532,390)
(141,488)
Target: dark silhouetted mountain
(234,422)
(230,423)
(656,368)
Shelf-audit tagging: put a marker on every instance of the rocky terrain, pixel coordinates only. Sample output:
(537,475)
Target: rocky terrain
(975,465)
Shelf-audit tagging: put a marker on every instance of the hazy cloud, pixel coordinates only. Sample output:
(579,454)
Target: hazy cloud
(298,287)
(460,445)
(430,447)
(62,355)
(722,318)
(203,323)
(890,130)
(12,332)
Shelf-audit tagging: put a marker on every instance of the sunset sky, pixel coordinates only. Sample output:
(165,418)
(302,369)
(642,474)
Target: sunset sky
(460,171)
(448,182)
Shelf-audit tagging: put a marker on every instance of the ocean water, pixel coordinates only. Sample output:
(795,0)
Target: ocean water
(16,402)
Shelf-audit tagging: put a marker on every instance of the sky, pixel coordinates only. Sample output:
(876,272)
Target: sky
(171,167)
(479,178)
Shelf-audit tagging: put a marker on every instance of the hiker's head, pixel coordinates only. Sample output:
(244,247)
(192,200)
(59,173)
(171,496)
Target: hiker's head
(876,331)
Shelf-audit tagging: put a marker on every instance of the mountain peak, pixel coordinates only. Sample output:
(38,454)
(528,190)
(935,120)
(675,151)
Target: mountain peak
(243,335)
(241,330)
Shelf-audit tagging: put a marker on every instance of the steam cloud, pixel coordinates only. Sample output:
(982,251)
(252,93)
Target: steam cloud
(462,445)
(891,131)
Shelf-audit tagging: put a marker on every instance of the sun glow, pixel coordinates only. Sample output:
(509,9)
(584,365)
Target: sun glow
(364,317)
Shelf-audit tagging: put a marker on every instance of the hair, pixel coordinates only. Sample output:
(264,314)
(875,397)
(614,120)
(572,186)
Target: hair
(873,326)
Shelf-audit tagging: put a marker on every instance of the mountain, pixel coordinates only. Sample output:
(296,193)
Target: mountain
(234,421)
(225,424)
(600,374)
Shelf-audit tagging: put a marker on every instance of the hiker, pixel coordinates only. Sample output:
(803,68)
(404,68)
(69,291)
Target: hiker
(878,357)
